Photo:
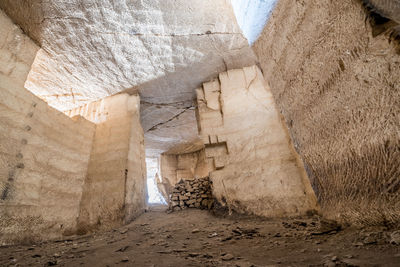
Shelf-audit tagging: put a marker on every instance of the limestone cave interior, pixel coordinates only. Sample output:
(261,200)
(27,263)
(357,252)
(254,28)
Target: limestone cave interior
(200,133)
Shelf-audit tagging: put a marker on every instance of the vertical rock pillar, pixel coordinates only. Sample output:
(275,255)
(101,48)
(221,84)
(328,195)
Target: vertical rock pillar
(114,190)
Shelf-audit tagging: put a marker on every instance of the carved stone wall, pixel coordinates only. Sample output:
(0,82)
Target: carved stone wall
(115,186)
(44,154)
(336,80)
(254,167)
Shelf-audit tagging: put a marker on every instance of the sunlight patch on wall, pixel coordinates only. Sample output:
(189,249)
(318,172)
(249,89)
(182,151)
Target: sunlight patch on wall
(154,196)
(252,15)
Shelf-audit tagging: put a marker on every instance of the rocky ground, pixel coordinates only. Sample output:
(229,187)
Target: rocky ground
(195,237)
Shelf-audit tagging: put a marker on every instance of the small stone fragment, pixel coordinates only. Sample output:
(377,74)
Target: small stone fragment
(123,231)
(122,249)
(212,235)
(52,263)
(227,257)
(395,238)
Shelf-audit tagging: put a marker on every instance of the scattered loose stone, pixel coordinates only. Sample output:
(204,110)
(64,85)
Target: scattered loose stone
(327,227)
(395,238)
(123,231)
(212,235)
(126,259)
(180,250)
(227,238)
(122,249)
(165,252)
(370,240)
(227,257)
(52,263)
(193,254)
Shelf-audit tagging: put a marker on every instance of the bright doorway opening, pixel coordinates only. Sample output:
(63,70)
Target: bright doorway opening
(154,195)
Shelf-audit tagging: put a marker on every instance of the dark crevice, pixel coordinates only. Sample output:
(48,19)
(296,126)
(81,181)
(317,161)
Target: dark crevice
(155,127)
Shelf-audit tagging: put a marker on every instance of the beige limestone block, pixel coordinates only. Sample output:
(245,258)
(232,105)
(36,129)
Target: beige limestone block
(251,151)
(211,94)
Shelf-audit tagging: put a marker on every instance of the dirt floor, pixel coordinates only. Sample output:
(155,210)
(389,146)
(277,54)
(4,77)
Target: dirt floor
(199,238)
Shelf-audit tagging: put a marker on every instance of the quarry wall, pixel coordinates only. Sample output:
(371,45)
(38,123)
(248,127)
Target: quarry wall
(336,81)
(44,154)
(255,169)
(115,186)
(60,175)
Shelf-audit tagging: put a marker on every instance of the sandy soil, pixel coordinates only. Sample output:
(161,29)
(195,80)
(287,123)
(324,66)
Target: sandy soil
(199,238)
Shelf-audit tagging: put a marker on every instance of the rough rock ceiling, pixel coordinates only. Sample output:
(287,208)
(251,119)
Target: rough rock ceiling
(162,49)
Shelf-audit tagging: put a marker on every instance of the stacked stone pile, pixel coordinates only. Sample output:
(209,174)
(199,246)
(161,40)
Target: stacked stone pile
(191,194)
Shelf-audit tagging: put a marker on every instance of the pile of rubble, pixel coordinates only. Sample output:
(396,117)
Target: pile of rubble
(191,194)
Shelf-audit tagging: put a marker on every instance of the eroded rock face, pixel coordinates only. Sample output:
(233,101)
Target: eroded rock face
(163,49)
(338,88)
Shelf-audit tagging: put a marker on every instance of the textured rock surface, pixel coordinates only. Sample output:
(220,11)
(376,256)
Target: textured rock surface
(163,49)
(387,8)
(115,186)
(186,166)
(17,51)
(195,193)
(249,149)
(168,127)
(338,88)
(43,153)
(196,238)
